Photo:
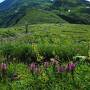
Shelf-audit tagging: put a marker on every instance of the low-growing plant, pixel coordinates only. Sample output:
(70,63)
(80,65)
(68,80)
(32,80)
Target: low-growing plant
(24,53)
(7,51)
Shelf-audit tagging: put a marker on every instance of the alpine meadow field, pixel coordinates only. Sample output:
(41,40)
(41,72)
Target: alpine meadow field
(45,45)
(46,57)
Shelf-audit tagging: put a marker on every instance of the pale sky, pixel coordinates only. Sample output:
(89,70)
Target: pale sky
(1,1)
(51,0)
(87,0)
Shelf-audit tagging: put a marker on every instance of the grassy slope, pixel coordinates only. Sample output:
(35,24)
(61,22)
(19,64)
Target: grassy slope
(45,32)
(73,30)
(34,15)
(67,35)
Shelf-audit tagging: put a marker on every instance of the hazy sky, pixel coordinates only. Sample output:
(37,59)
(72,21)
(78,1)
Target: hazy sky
(87,0)
(52,0)
(1,1)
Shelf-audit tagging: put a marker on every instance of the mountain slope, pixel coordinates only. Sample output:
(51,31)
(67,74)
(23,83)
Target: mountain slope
(32,11)
(31,16)
(73,11)
(8,4)
(45,11)
(36,16)
(70,3)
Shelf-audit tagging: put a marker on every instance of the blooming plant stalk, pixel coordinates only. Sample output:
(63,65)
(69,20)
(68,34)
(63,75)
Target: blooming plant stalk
(71,68)
(3,68)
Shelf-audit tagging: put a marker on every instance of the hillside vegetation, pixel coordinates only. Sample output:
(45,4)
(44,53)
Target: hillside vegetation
(54,36)
(45,45)
(75,12)
(35,16)
(40,56)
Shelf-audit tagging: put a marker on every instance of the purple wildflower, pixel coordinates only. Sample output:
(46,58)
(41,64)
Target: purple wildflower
(3,66)
(32,66)
(70,67)
(46,64)
(60,69)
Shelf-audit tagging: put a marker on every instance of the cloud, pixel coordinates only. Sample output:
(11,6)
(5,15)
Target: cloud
(88,0)
(1,1)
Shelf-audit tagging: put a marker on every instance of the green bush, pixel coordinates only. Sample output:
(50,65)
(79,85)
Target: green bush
(46,50)
(28,53)
(7,50)
(24,53)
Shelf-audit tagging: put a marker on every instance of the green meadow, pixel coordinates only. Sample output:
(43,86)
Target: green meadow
(45,57)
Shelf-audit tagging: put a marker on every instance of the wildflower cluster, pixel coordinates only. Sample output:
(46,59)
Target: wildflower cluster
(70,67)
(34,68)
(3,70)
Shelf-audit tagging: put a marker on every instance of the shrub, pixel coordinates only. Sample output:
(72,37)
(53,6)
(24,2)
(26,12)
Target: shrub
(46,50)
(7,51)
(24,53)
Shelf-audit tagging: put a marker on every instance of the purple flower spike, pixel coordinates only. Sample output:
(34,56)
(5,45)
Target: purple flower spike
(46,64)
(60,69)
(3,66)
(70,67)
(32,66)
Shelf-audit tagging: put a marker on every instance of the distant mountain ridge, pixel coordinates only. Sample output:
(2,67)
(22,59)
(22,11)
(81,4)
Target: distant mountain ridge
(73,11)
(12,12)
(7,4)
